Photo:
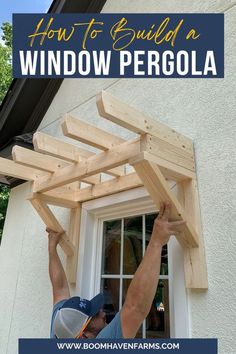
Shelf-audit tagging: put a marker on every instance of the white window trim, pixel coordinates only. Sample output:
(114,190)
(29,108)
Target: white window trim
(125,204)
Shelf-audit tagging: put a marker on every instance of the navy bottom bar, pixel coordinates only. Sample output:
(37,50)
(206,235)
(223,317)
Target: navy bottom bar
(134,346)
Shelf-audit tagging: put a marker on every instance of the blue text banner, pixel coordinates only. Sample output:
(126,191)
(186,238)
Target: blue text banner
(118,45)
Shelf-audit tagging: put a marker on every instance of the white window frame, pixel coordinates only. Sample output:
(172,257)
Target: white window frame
(125,204)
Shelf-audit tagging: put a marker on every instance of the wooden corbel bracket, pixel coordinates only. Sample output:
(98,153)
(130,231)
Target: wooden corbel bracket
(185,206)
(69,242)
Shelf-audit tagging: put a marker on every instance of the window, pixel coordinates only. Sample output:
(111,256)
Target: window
(124,244)
(125,216)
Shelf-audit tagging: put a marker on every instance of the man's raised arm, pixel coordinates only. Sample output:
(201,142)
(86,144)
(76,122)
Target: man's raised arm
(57,274)
(142,289)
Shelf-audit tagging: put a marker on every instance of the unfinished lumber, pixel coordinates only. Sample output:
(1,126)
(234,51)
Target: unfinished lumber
(11,168)
(169,169)
(159,190)
(89,134)
(93,136)
(51,146)
(34,159)
(61,197)
(44,162)
(162,158)
(74,235)
(50,221)
(114,186)
(194,258)
(71,199)
(169,152)
(114,157)
(118,112)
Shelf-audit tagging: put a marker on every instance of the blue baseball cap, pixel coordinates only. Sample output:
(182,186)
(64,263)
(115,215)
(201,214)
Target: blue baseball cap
(74,314)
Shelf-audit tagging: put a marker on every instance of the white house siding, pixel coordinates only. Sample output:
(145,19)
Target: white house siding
(202,109)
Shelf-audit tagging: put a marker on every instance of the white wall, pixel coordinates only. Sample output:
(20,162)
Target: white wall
(202,109)
(25,292)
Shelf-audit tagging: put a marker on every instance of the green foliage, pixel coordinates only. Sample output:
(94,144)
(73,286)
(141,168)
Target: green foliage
(5,72)
(5,81)
(5,59)
(7,34)
(4,196)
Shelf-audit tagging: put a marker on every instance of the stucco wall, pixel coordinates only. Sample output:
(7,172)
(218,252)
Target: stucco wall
(202,109)
(25,292)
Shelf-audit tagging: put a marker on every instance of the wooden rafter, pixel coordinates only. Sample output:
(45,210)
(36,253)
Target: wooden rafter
(158,155)
(54,147)
(88,134)
(34,159)
(51,146)
(51,164)
(10,168)
(115,156)
(118,112)
(93,136)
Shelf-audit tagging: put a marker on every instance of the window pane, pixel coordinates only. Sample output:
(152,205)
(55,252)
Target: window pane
(149,221)
(158,322)
(111,289)
(133,250)
(111,247)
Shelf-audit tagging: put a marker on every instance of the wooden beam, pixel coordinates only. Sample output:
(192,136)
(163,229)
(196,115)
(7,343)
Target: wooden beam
(51,221)
(59,197)
(11,168)
(113,186)
(116,156)
(42,162)
(159,190)
(117,185)
(93,136)
(48,145)
(169,169)
(62,197)
(74,234)
(116,171)
(88,134)
(118,112)
(194,258)
(169,152)
(34,159)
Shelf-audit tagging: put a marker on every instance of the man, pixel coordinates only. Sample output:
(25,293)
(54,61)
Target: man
(74,317)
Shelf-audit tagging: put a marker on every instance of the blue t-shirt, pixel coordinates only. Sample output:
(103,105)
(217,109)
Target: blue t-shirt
(56,307)
(111,331)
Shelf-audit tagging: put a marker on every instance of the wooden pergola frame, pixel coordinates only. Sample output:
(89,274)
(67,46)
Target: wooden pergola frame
(159,154)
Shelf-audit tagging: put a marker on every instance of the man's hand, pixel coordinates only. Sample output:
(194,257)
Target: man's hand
(54,238)
(162,228)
